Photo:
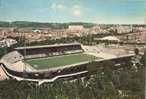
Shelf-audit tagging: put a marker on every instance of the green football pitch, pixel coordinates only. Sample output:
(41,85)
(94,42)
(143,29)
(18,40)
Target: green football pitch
(56,61)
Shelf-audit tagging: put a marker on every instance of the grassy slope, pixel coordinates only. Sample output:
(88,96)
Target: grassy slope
(44,63)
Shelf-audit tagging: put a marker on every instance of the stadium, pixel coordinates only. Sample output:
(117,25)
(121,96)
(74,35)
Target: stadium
(48,63)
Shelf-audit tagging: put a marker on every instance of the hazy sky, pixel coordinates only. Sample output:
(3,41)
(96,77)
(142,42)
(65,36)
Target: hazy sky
(97,11)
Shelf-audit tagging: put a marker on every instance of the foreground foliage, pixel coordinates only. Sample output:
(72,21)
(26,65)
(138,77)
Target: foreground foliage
(105,84)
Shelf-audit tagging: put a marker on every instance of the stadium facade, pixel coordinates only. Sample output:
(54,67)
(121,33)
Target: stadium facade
(14,65)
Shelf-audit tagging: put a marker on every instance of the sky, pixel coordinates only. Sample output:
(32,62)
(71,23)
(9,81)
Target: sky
(60,11)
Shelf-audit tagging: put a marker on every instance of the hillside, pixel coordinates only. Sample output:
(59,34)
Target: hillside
(40,24)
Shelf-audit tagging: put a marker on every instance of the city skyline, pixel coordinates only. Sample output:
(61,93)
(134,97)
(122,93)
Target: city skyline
(62,11)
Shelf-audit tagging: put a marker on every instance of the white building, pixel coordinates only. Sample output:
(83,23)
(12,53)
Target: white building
(75,27)
(7,42)
(124,29)
(110,38)
(36,31)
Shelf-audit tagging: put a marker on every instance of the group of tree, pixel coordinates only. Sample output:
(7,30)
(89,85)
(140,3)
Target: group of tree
(105,84)
(22,24)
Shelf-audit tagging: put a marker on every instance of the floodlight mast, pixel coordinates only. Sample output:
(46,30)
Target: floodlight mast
(24,66)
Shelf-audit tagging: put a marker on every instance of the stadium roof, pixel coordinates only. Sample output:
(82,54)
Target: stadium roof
(46,46)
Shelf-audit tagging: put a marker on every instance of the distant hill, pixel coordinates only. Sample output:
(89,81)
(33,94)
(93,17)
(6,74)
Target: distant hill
(39,24)
(4,24)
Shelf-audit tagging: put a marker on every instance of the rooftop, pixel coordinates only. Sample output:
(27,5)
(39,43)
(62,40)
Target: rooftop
(46,46)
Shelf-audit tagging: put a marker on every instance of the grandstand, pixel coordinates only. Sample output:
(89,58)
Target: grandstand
(49,50)
(14,61)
